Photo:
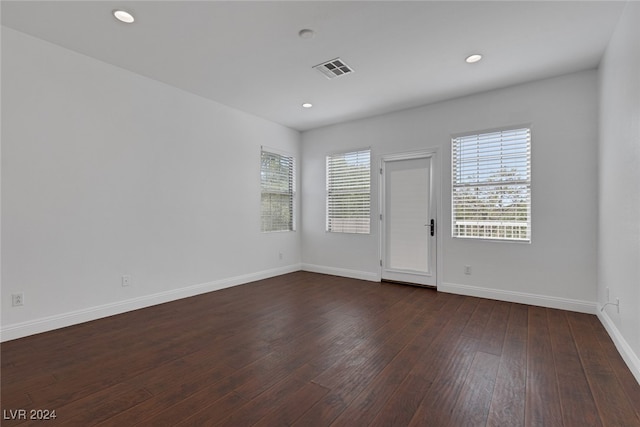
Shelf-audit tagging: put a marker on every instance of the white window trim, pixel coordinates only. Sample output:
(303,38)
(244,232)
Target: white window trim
(328,199)
(293,188)
(526,182)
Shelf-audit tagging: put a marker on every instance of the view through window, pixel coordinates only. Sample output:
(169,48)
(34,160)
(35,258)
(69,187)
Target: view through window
(349,192)
(491,185)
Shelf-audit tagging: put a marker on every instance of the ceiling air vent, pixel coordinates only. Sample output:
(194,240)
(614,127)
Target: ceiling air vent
(334,68)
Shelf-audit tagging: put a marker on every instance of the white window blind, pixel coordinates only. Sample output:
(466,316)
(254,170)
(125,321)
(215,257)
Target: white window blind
(278,190)
(349,192)
(491,185)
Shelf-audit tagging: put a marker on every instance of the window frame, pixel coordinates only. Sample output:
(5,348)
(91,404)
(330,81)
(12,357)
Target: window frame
(290,193)
(364,227)
(489,230)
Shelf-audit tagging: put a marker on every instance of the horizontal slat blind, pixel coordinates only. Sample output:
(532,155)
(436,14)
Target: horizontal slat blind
(349,192)
(277,187)
(491,185)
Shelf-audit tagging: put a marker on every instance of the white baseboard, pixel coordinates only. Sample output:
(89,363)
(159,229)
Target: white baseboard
(44,324)
(521,297)
(342,272)
(630,358)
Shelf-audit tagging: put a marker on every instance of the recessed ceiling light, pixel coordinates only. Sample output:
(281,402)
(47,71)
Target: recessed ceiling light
(123,16)
(307,105)
(306,33)
(473,58)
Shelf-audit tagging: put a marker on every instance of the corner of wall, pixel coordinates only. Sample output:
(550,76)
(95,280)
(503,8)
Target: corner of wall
(618,188)
(625,350)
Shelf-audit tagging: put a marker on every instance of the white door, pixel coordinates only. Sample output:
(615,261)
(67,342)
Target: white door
(408,220)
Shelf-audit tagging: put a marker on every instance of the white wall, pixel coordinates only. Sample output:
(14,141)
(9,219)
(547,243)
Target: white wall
(619,186)
(558,268)
(105,173)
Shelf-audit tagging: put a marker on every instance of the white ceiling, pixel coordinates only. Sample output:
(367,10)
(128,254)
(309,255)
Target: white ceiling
(248,55)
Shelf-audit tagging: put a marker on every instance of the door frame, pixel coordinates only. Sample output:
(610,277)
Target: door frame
(434,154)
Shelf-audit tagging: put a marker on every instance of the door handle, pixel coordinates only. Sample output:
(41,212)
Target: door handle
(432,224)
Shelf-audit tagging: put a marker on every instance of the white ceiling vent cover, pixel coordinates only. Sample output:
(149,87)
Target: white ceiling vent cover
(334,68)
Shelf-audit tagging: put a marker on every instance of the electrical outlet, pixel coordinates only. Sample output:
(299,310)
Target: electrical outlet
(467,269)
(17,299)
(126,280)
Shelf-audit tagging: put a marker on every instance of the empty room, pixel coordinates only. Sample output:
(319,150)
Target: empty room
(320,213)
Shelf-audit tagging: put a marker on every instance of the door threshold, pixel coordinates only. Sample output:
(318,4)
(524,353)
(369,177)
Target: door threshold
(399,282)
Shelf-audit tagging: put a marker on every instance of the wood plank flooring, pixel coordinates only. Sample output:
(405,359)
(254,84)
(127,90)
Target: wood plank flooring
(306,349)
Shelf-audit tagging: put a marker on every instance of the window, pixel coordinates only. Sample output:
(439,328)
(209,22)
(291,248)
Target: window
(349,192)
(278,191)
(491,185)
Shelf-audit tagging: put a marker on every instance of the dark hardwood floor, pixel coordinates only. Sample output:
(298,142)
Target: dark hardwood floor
(306,349)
